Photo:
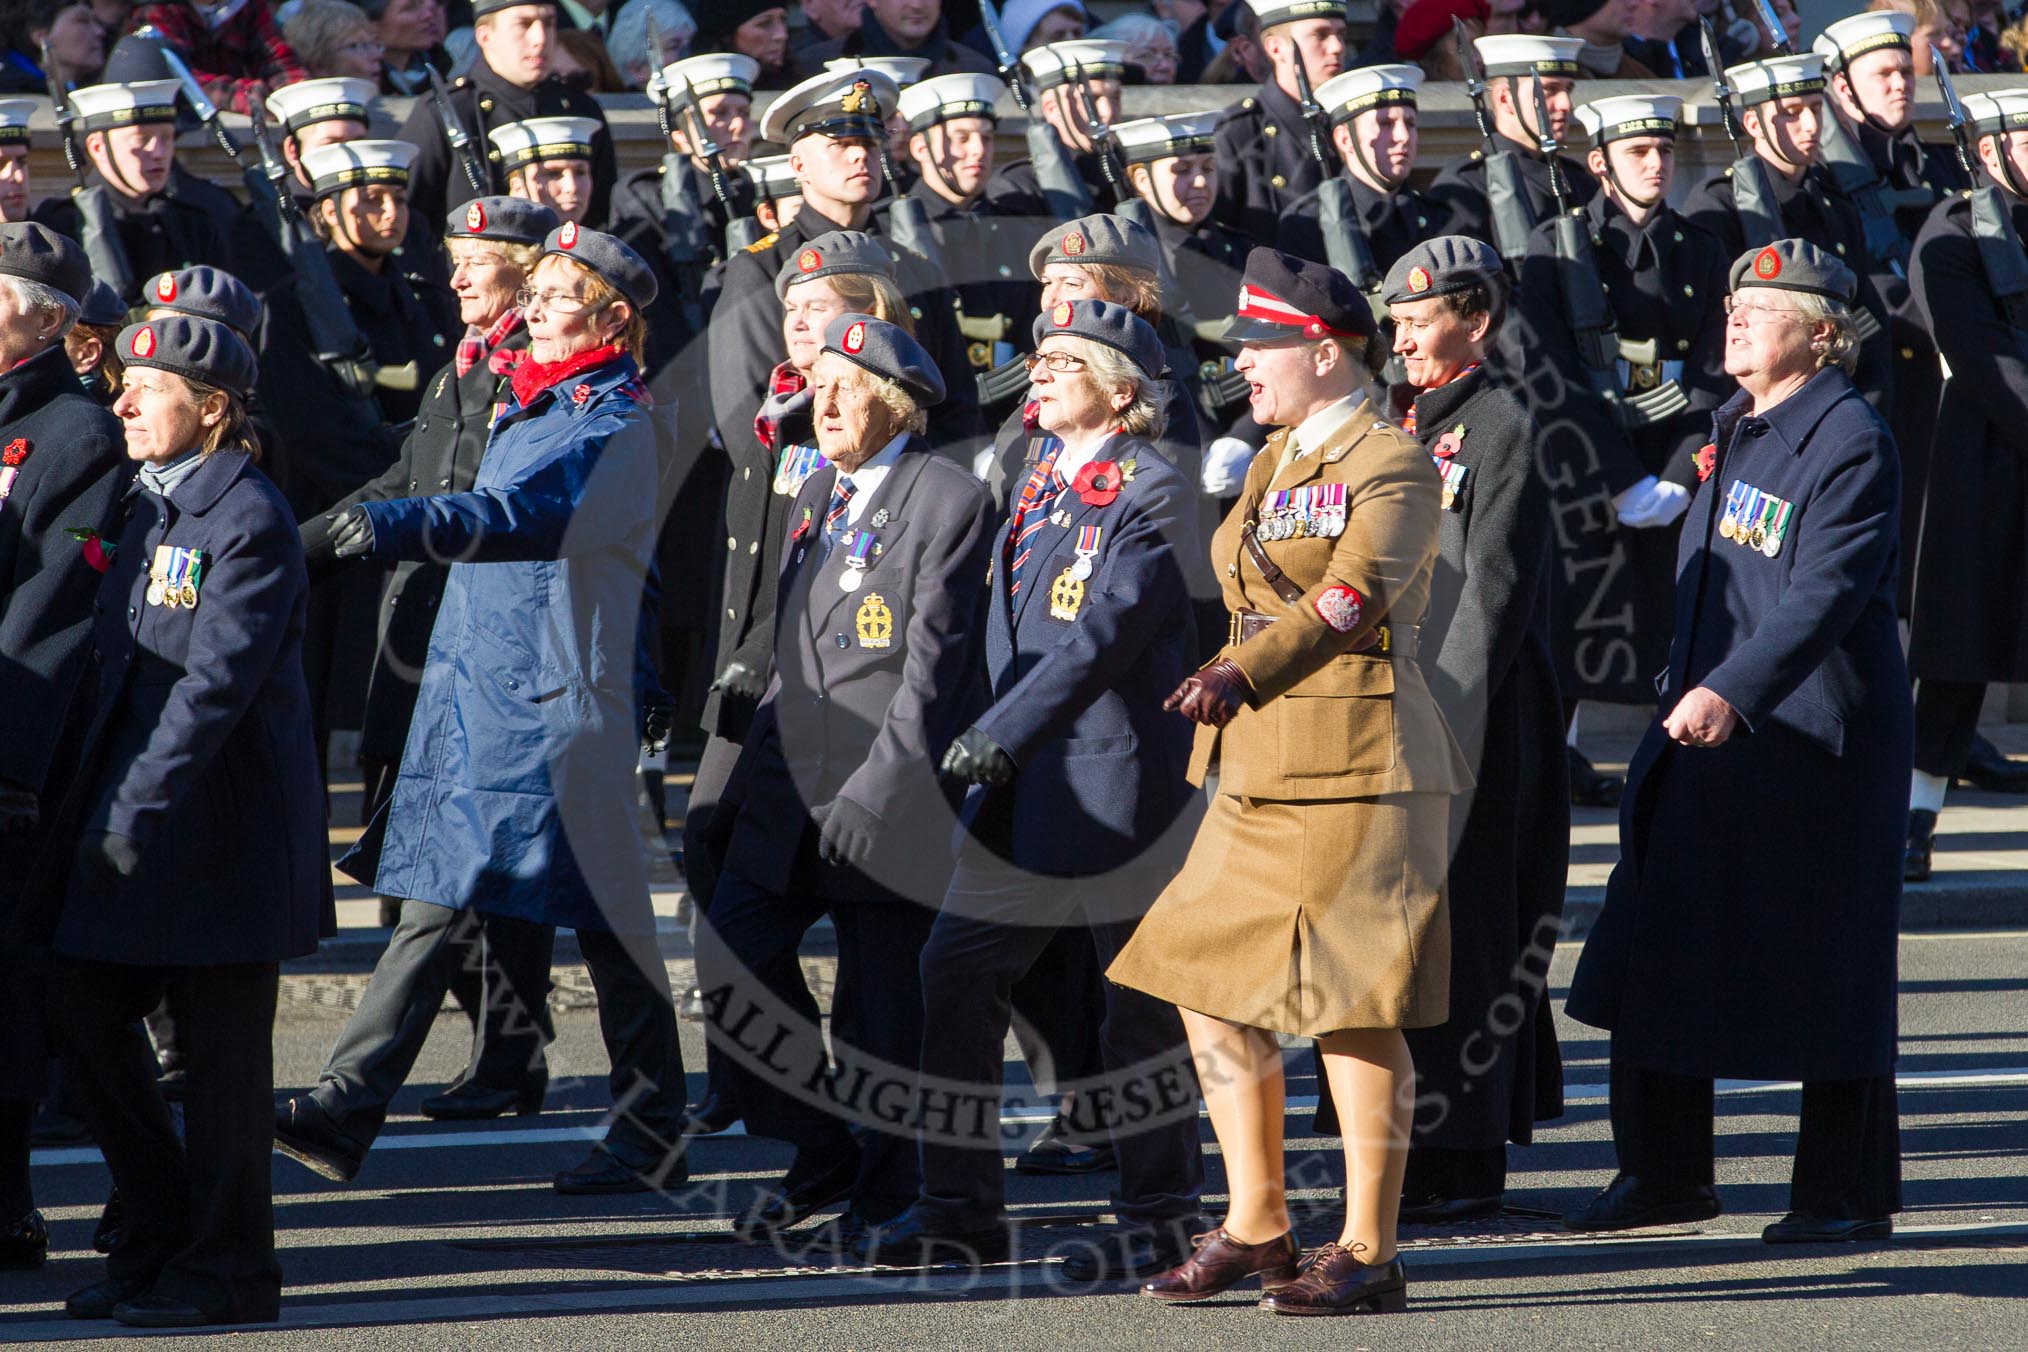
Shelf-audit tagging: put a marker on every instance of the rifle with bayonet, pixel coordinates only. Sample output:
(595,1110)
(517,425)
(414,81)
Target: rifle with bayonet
(1079,105)
(98,232)
(339,345)
(462,149)
(1507,199)
(686,234)
(1063,191)
(1346,247)
(908,224)
(1753,195)
(1585,306)
(1999,245)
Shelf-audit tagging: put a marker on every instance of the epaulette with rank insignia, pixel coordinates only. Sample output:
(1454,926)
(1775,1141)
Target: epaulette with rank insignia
(764,243)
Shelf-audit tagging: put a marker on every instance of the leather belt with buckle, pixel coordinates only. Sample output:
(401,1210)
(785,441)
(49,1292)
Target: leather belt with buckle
(1385,639)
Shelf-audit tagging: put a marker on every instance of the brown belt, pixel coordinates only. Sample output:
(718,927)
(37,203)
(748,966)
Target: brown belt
(1386,639)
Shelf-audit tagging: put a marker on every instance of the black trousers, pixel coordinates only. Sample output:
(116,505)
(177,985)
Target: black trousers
(199,1210)
(1848,1147)
(705,835)
(1946,721)
(996,920)
(876,1014)
(381,1041)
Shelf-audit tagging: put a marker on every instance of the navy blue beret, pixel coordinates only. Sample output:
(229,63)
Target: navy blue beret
(1795,265)
(611,258)
(35,253)
(203,350)
(886,350)
(208,293)
(835,252)
(1437,267)
(508,220)
(1103,322)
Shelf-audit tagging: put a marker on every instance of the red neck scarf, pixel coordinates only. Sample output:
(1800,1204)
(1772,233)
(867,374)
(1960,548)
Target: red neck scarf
(531,377)
(1408,419)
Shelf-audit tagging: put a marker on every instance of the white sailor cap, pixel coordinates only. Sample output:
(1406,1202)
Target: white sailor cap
(14,115)
(1146,139)
(102,107)
(1630,115)
(713,73)
(356,164)
(337,99)
(1863,33)
(1091,58)
(946,98)
(1778,77)
(2001,110)
(1346,95)
(903,70)
(772,177)
(840,104)
(1528,54)
(1268,13)
(538,139)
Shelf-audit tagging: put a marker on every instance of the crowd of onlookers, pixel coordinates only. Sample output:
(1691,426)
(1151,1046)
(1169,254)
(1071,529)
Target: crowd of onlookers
(605,45)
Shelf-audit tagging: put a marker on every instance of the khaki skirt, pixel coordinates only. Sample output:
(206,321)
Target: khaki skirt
(1305,918)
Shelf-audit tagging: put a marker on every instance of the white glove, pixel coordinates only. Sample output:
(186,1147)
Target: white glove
(982,463)
(1638,506)
(1671,501)
(1225,464)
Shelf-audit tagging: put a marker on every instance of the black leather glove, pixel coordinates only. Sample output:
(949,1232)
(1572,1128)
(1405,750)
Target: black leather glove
(848,832)
(352,533)
(976,759)
(1211,696)
(656,722)
(742,680)
(105,859)
(20,810)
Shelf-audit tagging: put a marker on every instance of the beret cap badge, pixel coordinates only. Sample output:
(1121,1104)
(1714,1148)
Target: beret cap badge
(165,287)
(566,238)
(144,342)
(809,260)
(1073,243)
(475,217)
(1059,314)
(1418,279)
(855,339)
(1767,265)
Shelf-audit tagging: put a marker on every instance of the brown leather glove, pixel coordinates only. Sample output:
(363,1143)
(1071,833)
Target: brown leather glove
(1213,695)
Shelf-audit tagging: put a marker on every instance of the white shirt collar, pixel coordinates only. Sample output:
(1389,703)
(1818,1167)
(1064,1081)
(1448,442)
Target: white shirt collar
(867,478)
(1326,423)
(1070,459)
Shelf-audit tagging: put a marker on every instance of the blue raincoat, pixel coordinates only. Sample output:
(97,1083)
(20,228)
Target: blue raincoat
(516,784)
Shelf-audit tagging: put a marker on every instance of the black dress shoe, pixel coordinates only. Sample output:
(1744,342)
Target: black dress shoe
(100,1299)
(111,1218)
(1589,786)
(801,1195)
(469,1102)
(1986,768)
(1132,1252)
(306,1134)
(1915,858)
(1628,1204)
(162,1312)
(602,1171)
(714,1114)
(1448,1210)
(24,1244)
(1053,1152)
(1801,1228)
(909,1241)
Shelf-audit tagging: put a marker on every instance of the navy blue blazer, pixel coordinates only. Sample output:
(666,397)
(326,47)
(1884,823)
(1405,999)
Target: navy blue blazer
(201,747)
(1078,702)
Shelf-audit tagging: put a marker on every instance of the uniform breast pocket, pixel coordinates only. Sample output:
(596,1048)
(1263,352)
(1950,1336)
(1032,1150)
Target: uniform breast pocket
(1339,721)
(875,621)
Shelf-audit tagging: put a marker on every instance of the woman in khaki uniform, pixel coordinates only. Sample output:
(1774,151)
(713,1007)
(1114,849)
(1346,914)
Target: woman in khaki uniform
(1312,902)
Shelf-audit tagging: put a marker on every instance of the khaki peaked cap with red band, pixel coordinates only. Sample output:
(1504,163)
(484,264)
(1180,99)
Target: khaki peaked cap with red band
(1282,297)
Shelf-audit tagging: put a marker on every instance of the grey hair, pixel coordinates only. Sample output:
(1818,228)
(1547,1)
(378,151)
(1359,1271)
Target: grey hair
(1842,348)
(627,44)
(1134,29)
(1114,370)
(909,416)
(316,28)
(37,297)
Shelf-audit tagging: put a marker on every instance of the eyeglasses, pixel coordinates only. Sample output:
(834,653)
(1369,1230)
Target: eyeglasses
(1058,362)
(562,302)
(1753,309)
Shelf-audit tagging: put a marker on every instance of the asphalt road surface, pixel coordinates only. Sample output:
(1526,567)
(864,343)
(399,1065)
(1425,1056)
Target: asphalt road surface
(452,1237)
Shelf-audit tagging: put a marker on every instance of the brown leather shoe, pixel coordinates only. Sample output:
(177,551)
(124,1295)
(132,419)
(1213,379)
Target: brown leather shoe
(1222,1262)
(1335,1282)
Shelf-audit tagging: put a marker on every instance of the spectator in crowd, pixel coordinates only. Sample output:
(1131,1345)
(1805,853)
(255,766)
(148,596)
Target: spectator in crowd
(238,61)
(1151,47)
(1602,26)
(1982,42)
(752,28)
(1028,24)
(1196,44)
(826,21)
(905,28)
(1242,61)
(76,42)
(411,34)
(1423,34)
(1958,23)
(628,47)
(1662,35)
(1932,28)
(582,62)
(334,37)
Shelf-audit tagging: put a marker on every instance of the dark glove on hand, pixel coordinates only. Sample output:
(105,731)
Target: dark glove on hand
(742,680)
(848,832)
(975,759)
(352,533)
(1211,696)
(656,722)
(105,859)
(19,810)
